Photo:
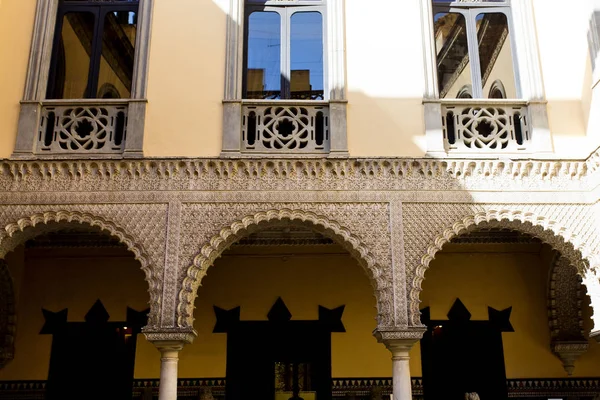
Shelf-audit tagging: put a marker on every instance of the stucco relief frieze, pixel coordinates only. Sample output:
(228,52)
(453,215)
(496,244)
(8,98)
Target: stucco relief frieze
(178,215)
(568,339)
(207,229)
(569,229)
(290,174)
(141,227)
(564,302)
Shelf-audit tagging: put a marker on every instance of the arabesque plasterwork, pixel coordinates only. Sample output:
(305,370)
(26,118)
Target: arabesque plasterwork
(141,227)
(569,229)
(392,215)
(210,228)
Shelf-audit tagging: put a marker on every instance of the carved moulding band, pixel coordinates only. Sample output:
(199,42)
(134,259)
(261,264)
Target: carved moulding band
(23,229)
(377,274)
(548,231)
(169,335)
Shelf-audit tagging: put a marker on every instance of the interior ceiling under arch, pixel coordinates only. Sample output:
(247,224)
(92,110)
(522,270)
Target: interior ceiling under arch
(74,237)
(286,235)
(494,236)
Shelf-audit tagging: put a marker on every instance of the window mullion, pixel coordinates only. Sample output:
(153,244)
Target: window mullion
(473,45)
(96,56)
(286,74)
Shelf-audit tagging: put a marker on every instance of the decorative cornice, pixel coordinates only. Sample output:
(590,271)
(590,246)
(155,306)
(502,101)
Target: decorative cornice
(287,173)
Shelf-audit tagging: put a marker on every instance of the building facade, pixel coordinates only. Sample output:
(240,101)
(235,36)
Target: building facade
(322,198)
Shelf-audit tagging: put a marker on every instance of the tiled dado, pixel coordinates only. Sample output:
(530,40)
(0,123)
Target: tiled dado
(342,388)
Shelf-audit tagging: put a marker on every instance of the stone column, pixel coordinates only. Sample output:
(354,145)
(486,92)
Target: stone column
(169,344)
(169,356)
(399,343)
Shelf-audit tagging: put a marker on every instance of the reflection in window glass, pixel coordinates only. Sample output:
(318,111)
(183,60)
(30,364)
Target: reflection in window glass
(263,72)
(452,50)
(306,41)
(72,60)
(118,52)
(495,53)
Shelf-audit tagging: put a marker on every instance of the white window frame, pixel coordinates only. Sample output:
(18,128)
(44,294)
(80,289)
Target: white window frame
(528,78)
(286,13)
(470,11)
(34,97)
(334,79)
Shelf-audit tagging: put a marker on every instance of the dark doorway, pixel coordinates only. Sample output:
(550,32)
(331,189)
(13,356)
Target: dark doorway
(462,356)
(92,359)
(277,356)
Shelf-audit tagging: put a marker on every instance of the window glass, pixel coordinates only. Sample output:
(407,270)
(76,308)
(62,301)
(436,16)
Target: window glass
(263,72)
(453,63)
(495,53)
(72,57)
(118,53)
(306,42)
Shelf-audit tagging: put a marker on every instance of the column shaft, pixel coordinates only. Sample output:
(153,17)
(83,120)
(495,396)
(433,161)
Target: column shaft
(167,389)
(401,376)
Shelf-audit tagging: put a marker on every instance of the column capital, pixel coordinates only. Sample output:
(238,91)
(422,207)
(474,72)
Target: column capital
(399,340)
(170,338)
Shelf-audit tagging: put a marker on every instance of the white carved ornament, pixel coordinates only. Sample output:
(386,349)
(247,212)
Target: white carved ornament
(346,233)
(22,223)
(429,227)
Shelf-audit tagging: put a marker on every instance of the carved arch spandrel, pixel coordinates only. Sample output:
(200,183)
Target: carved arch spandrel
(21,223)
(576,249)
(564,301)
(351,238)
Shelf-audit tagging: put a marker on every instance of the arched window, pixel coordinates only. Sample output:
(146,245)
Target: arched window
(466,92)
(497,90)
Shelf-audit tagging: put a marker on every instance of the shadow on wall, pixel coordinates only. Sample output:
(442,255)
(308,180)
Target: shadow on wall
(185,89)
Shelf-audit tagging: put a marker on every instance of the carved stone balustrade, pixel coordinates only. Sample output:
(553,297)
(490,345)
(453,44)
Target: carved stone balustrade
(280,127)
(484,126)
(82,127)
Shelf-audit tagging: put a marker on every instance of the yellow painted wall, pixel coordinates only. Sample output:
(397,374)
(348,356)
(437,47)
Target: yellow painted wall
(304,282)
(16,28)
(72,279)
(565,61)
(253,280)
(502,280)
(385,80)
(186,79)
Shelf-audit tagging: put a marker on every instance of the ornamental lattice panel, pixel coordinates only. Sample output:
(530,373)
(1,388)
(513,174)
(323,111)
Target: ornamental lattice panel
(494,128)
(284,128)
(82,129)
